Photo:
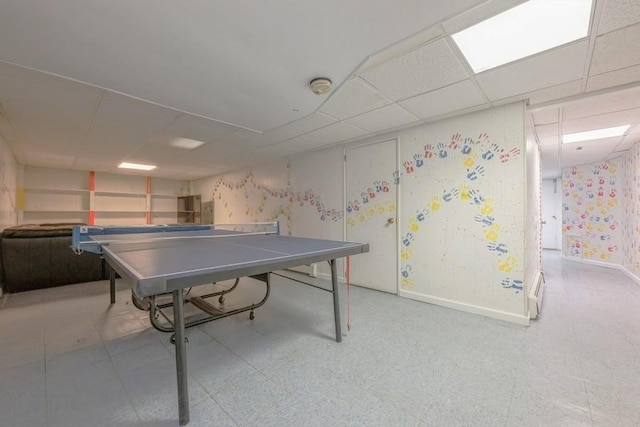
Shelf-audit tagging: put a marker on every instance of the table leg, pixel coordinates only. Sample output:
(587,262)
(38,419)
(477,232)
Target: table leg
(336,300)
(112,284)
(181,358)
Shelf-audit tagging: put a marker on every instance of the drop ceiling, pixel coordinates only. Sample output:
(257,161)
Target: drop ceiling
(87,84)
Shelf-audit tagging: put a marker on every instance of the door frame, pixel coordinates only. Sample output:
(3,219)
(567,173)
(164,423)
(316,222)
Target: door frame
(397,182)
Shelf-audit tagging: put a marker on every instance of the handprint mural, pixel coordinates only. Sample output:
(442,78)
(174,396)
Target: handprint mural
(591,211)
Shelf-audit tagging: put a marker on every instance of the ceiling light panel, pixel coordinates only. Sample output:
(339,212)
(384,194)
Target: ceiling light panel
(595,134)
(527,29)
(186,143)
(136,166)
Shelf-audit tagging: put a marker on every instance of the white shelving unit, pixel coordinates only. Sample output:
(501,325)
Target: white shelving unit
(43,199)
(59,195)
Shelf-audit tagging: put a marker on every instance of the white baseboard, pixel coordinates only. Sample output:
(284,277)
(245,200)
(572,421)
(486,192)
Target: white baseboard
(622,268)
(469,308)
(630,275)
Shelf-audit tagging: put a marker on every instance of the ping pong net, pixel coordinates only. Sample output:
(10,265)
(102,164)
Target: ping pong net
(91,238)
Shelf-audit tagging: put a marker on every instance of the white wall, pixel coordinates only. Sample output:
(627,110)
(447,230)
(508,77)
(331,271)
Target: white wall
(467,251)
(8,186)
(303,192)
(533,215)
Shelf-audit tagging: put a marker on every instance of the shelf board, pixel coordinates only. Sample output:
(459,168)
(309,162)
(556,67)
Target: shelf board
(164,195)
(120,211)
(54,211)
(119,193)
(56,190)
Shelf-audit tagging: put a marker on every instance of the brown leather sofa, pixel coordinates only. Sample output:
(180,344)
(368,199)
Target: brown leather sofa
(37,256)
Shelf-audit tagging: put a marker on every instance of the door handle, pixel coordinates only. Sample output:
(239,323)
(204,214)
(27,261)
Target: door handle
(391,221)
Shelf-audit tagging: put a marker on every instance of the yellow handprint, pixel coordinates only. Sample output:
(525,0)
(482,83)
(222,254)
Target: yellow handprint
(470,161)
(508,264)
(464,192)
(414,225)
(406,253)
(491,233)
(487,206)
(408,284)
(435,203)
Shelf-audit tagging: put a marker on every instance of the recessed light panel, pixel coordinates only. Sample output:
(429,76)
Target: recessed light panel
(186,143)
(527,29)
(125,165)
(594,134)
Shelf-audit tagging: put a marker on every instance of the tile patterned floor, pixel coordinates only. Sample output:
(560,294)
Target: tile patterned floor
(69,359)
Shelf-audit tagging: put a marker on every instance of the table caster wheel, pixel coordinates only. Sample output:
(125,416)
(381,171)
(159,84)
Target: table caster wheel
(221,299)
(140,304)
(252,316)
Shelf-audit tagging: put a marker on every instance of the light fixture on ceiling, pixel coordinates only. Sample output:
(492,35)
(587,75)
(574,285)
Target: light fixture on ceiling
(186,143)
(136,166)
(594,134)
(527,29)
(320,85)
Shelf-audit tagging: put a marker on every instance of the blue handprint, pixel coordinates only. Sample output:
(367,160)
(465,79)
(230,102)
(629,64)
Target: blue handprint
(486,220)
(466,148)
(442,151)
(473,174)
(512,284)
(476,198)
(408,239)
(498,247)
(488,155)
(448,196)
(406,271)
(419,159)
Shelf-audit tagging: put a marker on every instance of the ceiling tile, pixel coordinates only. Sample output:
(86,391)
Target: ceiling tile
(384,118)
(442,101)
(337,132)
(295,145)
(546,116)
(551,68)
(616,50)
(353,98)
(549,130)
(554,93)
(422,70)
(266,138)
(614,78)
(48,159)
(617,14)
(601,121)
(198,128)
(597,105)
(309,123)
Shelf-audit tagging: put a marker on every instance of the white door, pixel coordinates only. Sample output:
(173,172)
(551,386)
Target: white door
(551,205)
(371,214)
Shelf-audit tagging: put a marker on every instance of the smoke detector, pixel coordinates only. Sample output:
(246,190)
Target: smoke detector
(320,85)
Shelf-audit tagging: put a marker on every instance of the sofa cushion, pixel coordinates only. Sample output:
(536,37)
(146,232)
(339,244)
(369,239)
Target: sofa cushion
(39,230)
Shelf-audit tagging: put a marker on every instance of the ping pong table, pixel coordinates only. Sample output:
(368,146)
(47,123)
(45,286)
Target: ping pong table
(160,260)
